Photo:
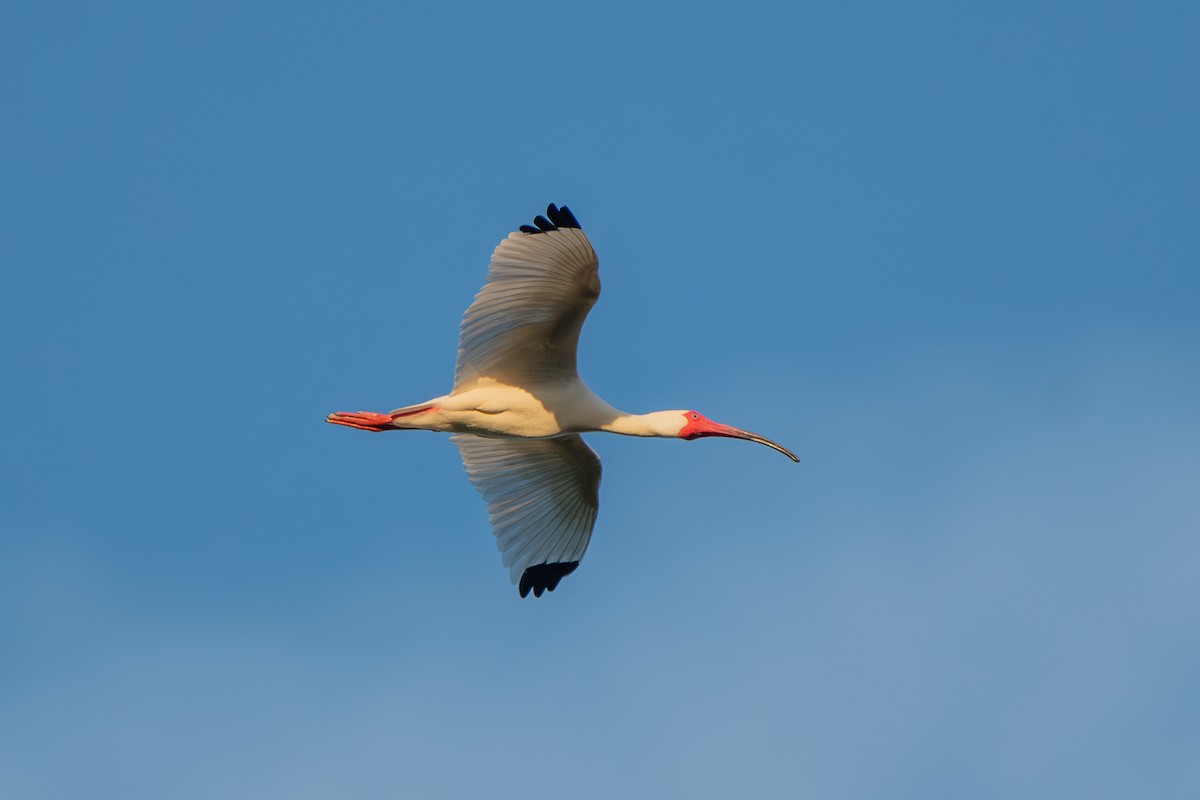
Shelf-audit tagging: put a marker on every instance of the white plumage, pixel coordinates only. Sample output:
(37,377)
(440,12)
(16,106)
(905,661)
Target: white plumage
(524,325)
(541,494)
(518,405)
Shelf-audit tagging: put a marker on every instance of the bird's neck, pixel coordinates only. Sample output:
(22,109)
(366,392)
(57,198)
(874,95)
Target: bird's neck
(657,423)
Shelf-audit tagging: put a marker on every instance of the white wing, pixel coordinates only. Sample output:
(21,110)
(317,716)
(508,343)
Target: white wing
(524,324)
(542,497)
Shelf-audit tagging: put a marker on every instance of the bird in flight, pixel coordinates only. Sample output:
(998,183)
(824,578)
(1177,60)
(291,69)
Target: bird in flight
(518,407)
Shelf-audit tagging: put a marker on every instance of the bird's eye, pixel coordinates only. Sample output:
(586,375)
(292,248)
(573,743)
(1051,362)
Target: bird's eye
(695,416)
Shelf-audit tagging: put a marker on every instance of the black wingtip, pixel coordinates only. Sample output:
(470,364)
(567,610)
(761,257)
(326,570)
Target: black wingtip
(556,217)
(544,577)
(561,217)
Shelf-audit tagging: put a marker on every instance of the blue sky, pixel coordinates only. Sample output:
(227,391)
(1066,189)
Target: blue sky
(945,252)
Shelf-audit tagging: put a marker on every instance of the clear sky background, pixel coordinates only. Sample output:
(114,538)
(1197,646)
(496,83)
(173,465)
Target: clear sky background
(946,252)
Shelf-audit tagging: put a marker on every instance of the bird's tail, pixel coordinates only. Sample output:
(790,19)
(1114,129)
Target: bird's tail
(409,411)
(422,416)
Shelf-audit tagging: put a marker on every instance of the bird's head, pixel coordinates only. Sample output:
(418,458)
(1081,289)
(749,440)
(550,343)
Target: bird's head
(696,425)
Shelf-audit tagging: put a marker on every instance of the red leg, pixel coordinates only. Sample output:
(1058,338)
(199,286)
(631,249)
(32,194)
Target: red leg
(363,420)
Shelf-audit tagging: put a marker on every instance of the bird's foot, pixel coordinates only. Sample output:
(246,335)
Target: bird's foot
(363,420)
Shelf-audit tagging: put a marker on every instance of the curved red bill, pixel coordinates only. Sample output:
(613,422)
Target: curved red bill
(737,433)
(697,425)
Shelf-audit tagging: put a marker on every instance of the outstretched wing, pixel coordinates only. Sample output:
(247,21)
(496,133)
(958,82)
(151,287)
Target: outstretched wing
(524,324)
(542,497)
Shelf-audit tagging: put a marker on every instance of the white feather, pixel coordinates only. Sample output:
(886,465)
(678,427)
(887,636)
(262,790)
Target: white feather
(523,326)
(542,496)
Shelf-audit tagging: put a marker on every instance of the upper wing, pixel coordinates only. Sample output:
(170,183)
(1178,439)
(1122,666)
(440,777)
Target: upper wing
(542,497)
(524,324)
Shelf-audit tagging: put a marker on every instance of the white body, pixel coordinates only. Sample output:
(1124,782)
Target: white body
(540,411)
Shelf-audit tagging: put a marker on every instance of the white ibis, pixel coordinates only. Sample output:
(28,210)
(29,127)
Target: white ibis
(518,406)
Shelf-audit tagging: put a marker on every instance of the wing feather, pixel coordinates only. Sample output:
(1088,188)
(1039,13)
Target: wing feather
(523,326)
(542,497)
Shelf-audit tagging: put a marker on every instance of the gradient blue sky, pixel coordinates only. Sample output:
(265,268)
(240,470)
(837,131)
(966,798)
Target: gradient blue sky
(946,252)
